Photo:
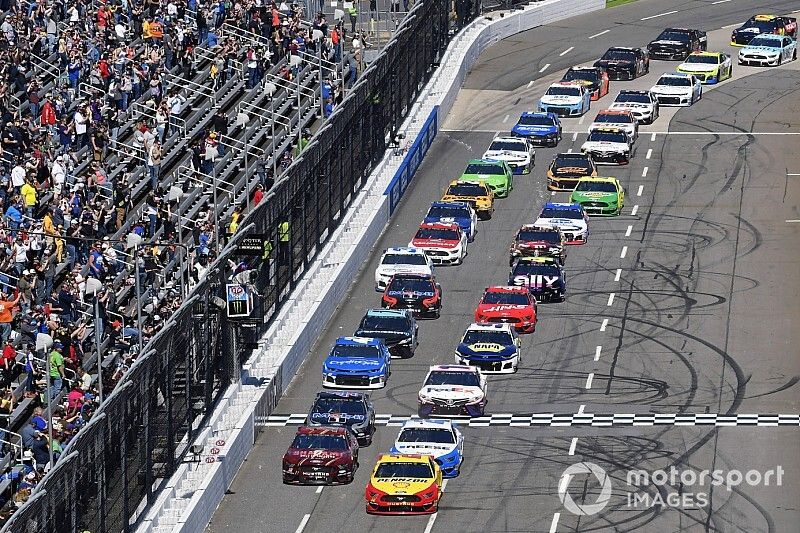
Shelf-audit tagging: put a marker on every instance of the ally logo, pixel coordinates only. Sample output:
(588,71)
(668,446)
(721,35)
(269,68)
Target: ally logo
(586,509)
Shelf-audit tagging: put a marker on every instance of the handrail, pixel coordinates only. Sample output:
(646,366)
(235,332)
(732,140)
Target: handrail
(151,113)
(315,59)
(289,85)
(241,146)
(197,88)
(46,62)
(129,151)
(91,89)
(189,173)
(257,111)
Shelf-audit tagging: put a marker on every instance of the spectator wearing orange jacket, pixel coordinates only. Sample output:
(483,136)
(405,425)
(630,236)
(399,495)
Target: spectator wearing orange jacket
(6,316)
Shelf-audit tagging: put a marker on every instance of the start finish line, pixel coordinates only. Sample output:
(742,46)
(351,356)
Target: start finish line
(574,420)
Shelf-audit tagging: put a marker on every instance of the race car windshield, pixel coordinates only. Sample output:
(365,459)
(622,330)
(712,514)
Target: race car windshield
(491,337)
(549,212)
(619,55)
(339,406)
(411,285)
(439,436)
(567,91)
(763,40)
(573,162)
(444,212)
(465,379)
(675,81)
(667,35)
(508,146)
(438,234)
(484,168)
(411,470)
(601,186)
(607,136)
(706,60)
(614,119)
(320,442)
(404,259)
(535,269)
(633,97)
(466,189)
(508,298)
(355,350)
(579,75)
(384,323)
(536,121)
(546,236)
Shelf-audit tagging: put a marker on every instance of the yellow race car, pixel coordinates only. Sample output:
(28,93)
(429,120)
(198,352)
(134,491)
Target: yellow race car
(476,193)
(708,67)
(404,484)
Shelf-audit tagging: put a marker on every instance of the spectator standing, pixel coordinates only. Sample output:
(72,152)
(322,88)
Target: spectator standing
(56,369)
(154,164)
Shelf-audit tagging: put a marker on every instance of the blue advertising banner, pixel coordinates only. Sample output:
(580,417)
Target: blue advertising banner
(413,159)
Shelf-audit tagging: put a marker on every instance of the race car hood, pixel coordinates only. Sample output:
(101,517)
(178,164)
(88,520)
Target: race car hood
(751,29)
(339,419)
(594,195)
(504,309)
(354,364)
(605,146)
(434,449)
(536,245)
(617,125)
(390,338)
(593,85)
(464,222)
(764,49)
(506,155)
(629,105)
(613,63)
(486,348)
(569,172)
(445,244)
(667,42)
(671,89)
(490,179)
(560,99)
(468,199)
(563,223)
(390,270)
(528,129)
(401,485)
(451,392)
(305,456)
(697,67)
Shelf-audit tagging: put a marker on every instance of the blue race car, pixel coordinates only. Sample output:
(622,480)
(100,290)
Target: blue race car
(437,438)
(768,49)
(539,128)
(494,348)
(459,212)
(357,363)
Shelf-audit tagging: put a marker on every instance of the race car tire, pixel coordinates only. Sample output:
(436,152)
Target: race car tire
(794,55)
(780,61)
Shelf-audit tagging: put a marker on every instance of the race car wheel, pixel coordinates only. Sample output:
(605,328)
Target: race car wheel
(794,56)
(780,60)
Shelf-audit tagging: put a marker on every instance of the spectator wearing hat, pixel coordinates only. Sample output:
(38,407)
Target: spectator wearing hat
(56,369)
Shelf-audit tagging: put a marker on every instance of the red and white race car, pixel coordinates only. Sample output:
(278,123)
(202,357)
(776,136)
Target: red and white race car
(510,305)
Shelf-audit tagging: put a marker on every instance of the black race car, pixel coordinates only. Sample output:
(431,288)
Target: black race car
(543,276)
(349,409)
(677,44)
(418,292)
(624,63)
(396,327)
(758,24)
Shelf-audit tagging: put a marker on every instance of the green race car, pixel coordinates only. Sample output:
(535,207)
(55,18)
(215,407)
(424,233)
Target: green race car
(599,196)
(497,175)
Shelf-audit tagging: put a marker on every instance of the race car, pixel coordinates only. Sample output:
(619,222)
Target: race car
(507,305)
(759,24)
(321,456)
(516,151)
(768,49)
(677,43)
(566,169)
(453,390)
(617,119)
(708,67)
(566,99)
(497,175)
(609,146)
(543,276)
(594,78)
(348,409)
(599,196)
(642,105)
(677,89)
(356,363)
(571,219)
(494,348)
(395,327)
(475,193)
(440,439)
(444,244)
(404,484)
(539,128)
(459,212)
(534,241)
(624,63)
(421,294)
(401,260)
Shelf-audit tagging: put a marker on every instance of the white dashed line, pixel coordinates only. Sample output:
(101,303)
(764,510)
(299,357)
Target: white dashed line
(554,523)
(639,192)
(569,151)
(580,120)
(545,67)
(589,380)
(653,137)
(432,518)
(565,52)
(572,446)
(618,274)
(599,34)
(552,193)
(624,252)
(628,231)
(660,15)
(644,171)
(506,119)
(562,484)
(610,299)
(731,25)
(719,2)
(793,221)
(319,489)
(634,210)
(575,136)
(581,408)
(530,84)
(649,153)
(597,353)
(303,523)
(604,324)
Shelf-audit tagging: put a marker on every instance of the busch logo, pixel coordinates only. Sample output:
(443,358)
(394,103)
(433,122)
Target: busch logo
(536,280)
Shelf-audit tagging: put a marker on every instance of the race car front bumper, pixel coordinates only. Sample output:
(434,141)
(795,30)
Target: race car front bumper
(674,99)
(317,474)
(542,139)
(610,158)
(601,208)
(758,60)
(500,191)
(353,381)
(402,504)
(437,407)
(490,366)
(621,73)
(450,464)
(562,110)
(549,296)
(562,184)
(444,256)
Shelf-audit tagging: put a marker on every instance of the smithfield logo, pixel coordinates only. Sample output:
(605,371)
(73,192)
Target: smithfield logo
(586,509)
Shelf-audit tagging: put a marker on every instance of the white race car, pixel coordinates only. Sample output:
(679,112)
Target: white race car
(453,390)
(616,119)
(677,89)
(443,243)
(401,261)
(518,152)
(566,99)
(609,146)
(437,438)
(571,219)
(642,105)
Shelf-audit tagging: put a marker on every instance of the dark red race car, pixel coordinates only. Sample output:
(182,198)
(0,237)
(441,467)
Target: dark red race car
(321,455)
(418,292)
(512,305)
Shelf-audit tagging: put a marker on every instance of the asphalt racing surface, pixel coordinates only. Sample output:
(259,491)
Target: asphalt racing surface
(686,303)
